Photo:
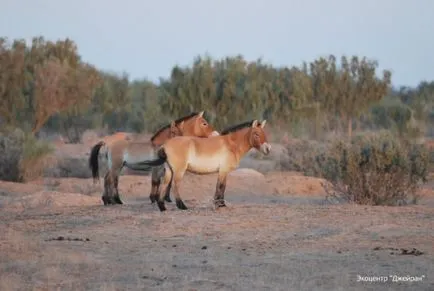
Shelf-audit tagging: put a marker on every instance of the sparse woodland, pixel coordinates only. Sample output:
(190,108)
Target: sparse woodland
(46,87)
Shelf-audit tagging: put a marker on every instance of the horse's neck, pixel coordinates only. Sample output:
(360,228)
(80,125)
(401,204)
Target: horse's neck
(242,141)
(161,138)
(188,132)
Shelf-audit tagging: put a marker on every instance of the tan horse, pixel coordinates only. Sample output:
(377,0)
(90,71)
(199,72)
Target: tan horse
(122,150)
(162,173)
(219,154)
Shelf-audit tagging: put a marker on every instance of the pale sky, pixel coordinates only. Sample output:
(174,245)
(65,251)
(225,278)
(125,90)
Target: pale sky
(147,38)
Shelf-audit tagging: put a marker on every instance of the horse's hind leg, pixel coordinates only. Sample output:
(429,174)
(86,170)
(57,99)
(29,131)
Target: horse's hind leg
(167,192)
(158,174)
(116,197)
(107,196)
(219,196)
(166,187)
(155,183)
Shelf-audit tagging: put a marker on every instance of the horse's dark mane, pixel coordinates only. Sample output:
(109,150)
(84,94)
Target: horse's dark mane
(237,127)
(176,122)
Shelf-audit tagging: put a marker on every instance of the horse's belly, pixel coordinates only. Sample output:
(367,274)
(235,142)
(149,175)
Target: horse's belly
(203,168)
(139,155)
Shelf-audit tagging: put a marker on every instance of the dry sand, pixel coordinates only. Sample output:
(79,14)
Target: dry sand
(277,233)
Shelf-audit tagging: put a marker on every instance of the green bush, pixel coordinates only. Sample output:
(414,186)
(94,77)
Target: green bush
(304,156)
(375,169)
(22,156)
(371,169)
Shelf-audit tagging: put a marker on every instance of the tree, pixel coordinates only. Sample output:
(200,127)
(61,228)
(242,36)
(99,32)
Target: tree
(359,88)
(12,79)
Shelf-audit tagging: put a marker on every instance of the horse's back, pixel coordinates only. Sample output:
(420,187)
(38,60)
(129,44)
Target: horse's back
(179,146)
(201,146)
(111,139)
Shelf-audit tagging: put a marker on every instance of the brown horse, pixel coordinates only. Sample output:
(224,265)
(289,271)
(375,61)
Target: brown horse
(161,173)
(219,154)
(122,150)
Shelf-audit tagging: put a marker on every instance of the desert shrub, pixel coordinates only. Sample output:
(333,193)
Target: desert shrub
(22,156)
(304,156)
(375,170)
(70,167)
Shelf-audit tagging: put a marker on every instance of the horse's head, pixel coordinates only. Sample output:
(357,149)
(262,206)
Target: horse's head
(176,129)
(258,138)
(199,126)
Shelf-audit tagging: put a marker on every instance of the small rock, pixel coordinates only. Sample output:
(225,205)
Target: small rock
(204,247)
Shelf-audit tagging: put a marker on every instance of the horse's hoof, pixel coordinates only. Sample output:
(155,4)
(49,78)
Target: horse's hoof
(219,204)
(161,206)
(167,198)
(180,204)
(106,200)
(118,200)
(152,198)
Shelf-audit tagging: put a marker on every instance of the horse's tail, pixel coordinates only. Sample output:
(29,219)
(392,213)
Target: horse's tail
(93,160)
(145,165)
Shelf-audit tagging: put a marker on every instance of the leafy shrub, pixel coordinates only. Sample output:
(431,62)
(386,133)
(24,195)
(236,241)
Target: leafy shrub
(22,156)
(71,167)
(304,156)
(376,169)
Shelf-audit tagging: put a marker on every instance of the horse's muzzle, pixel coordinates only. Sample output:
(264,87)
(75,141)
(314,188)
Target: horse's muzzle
(214,133)
(265,148)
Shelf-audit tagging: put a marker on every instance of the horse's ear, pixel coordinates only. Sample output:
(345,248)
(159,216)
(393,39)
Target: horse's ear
(263,123)
(181,125)
(255,123)
(201,113)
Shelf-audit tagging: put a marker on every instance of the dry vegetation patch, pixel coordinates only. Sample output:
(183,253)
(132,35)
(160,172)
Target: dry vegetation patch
(374,169)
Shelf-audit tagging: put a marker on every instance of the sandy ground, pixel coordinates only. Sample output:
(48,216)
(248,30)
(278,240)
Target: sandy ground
(277,233)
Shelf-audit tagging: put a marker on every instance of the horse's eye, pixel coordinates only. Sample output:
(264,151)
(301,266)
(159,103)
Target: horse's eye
(204,124)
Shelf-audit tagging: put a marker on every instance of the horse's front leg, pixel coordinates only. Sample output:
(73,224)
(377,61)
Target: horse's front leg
(219,196)
(177,180)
